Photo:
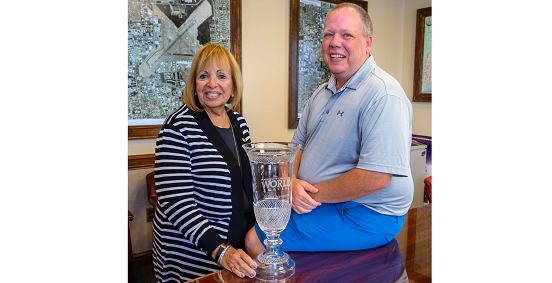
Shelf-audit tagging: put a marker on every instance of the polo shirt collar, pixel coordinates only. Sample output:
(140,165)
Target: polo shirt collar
(356,80)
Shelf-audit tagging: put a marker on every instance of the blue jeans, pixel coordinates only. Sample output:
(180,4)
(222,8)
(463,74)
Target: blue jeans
(343,226)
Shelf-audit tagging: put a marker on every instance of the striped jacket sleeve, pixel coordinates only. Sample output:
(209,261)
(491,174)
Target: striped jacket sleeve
(175,189)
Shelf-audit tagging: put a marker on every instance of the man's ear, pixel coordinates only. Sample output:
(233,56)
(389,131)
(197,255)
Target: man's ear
(368,45)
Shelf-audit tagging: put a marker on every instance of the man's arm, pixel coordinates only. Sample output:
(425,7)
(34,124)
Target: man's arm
(352,185)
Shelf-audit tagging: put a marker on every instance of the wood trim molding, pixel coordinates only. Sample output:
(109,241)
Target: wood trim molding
(146,253)
(143,132)
(141,161)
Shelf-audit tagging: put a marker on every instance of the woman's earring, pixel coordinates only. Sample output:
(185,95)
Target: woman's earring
(195,93)
(232,95)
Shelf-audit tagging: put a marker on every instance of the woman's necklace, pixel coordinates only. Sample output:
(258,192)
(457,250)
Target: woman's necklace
(223,124)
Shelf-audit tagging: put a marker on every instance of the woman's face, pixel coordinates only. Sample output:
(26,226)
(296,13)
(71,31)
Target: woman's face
(214,85)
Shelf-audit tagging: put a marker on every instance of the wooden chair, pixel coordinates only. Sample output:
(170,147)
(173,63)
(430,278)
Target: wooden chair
(152,194)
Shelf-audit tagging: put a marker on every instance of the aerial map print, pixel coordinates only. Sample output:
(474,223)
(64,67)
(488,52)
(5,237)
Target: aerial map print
(163,37)
(312,70)
(426,73)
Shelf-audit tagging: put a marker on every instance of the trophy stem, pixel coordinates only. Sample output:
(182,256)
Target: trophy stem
(273,243)
(274,264)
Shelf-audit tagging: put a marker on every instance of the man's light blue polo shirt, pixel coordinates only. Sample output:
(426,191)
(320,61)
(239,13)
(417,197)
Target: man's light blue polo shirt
(367,124)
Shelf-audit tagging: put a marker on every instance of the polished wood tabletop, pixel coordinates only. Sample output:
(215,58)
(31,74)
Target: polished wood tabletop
(407,258)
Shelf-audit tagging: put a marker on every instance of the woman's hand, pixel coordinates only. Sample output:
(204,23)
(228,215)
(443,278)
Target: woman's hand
(239,263)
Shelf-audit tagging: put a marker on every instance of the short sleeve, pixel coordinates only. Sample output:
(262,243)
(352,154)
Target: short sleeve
(385,137)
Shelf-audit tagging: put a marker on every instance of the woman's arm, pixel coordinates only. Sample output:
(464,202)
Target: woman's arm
(175,189)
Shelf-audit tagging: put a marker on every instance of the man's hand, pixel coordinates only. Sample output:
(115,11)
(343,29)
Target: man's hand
(302,201)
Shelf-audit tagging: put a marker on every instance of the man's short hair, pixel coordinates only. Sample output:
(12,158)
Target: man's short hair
(367,27)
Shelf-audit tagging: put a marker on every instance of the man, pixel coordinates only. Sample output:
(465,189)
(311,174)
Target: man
(352,184)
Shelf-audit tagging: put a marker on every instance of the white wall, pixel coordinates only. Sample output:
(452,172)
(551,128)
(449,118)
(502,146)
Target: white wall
(265,66)
(265,53)
(387,40)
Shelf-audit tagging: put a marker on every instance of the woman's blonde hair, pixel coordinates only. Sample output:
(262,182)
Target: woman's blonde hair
(212,53)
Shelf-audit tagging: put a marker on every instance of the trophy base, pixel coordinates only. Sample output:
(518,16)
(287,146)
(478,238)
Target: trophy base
(275,269)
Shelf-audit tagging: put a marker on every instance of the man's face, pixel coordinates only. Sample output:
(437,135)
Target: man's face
(344,48)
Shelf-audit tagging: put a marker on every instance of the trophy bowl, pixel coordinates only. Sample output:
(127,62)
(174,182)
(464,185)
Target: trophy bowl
(272,169)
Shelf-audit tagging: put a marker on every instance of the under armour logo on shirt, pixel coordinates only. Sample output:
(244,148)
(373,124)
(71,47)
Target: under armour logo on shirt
(340,113)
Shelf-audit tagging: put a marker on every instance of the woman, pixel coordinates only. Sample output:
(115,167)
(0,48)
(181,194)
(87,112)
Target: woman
(202,176)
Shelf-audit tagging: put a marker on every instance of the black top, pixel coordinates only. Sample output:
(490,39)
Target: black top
(227,136)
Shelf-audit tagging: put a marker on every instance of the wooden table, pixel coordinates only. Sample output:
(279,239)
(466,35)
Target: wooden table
(407,258)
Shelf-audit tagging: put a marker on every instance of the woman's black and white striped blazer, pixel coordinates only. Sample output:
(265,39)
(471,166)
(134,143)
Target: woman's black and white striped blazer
(200,188)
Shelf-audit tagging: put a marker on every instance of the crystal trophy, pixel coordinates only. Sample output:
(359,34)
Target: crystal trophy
(272,168)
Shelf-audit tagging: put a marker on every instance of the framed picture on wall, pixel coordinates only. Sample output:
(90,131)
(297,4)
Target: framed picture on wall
(163,37)
(307,68)
(422,56)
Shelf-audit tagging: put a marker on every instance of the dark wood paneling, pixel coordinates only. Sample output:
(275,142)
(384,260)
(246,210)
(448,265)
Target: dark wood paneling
(141,161)
(143,132)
